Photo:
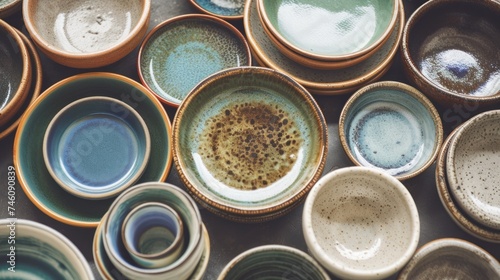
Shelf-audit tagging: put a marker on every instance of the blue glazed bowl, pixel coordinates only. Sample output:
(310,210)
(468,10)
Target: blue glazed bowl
(225,9)
(391,126)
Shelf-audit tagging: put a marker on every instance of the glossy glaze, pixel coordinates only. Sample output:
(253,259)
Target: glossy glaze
(226,9)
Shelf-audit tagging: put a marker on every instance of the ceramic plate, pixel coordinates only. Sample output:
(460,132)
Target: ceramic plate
(226,9)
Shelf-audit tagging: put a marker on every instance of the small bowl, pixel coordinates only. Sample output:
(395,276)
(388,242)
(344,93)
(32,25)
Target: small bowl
(9,7)
(391,126)
(451,258)
(153,234)
(36,181)
(450,52)
(86,35)
(40,252)
(329,31)
(16,72)
(360,223)
(249,143)
(472,168)
(268,261)
(182,51)
(228,10)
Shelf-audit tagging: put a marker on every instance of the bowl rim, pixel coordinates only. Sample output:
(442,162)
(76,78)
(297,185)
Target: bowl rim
(158,29)
(319,253)
(403,88)
(271,30)
(224,17)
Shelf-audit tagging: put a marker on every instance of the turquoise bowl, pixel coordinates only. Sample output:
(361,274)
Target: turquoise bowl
(37,182)
(40,253)
(182,51)
(393,127)
(96,147)
(225,9)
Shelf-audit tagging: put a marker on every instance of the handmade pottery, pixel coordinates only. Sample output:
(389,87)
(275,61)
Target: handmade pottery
(225,9)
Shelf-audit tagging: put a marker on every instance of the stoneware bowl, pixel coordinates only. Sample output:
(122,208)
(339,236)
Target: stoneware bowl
(329,31)
(225,9)
(391,126)
(84,34)
(177,199)
(451,258)
(273,262)
(450,51)
(15,70)
(37,182)
(472,168)
(360,223)
(249,143)
(40,253)
(9,7)
(153,234)
(180,52)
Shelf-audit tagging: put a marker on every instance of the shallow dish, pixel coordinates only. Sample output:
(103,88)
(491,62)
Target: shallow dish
(472,168)
(40,253)
(329,31)
(96,147)
(9,7)
(180,52)
(225,9)
(391,126)
(450,51)
(261,142)
(360,223)
(84,34)
(37,183)
(451,258)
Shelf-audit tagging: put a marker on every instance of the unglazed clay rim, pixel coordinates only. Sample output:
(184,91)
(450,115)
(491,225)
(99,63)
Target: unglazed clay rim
(201,9)
(159,27)
(271,31)
(254,212)
(405,51)
(403,88)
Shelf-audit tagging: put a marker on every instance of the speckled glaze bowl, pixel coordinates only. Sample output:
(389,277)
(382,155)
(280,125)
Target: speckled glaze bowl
(40,253)
(360,223)
(85,34)
(182,51)
(391,126)
(450,51)
(249,143)
(273,262)
(9,7)
(224,9)
(451,258)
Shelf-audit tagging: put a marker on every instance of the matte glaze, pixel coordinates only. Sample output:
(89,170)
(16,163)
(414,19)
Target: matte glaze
(227,9)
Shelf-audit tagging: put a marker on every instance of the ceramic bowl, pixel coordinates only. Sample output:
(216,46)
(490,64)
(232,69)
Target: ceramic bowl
(391,126)
(163,193)
(324,81)
(180,52)
(153,234)
(450,51)
(9,7)
(329,31)
(273,262)
(225,9)
(40,253)
(96,147)
(360,223)
(33,93)
(36,181)
(472,168)
(451,258)
(249,142)
(16,72)
(82,34)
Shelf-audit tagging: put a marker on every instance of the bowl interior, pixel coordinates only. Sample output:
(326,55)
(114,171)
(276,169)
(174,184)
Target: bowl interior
(224,9)
(454,45)
(11,68)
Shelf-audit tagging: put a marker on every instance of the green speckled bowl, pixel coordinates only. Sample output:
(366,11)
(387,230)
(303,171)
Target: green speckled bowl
(182,51)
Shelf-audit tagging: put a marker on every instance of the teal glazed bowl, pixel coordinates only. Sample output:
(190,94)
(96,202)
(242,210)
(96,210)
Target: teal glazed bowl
(391,126)
(96,147)
(40,253)
(249,143)
(37,182)
(182,51)
(224,9)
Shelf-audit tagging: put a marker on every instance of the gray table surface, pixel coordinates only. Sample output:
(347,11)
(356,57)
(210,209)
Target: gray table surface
(228,239)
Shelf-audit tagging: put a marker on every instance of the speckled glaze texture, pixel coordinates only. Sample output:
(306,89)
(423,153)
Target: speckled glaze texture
(182,51)
(360,223)
(261,141)
(451,258)
(225,9)
(273,262)
(472,168)
(391,126)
